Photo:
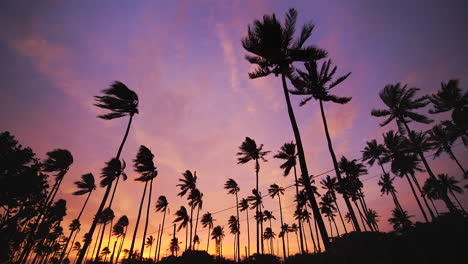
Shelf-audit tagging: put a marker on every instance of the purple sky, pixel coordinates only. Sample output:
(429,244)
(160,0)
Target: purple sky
(186,62)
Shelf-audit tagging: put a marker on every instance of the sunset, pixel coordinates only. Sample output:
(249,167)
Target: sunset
(233,132)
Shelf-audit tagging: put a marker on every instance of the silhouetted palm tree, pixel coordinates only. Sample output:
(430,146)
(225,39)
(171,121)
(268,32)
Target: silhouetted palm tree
(442,141)
(188,183)
(207,221)
(386,187)
(400,220)
(288,153)
(149,243)
(373,218)
(255,201)
(450,183)
(183,220)
(77,248)
(330,184)
(85,186)
(244,206)
(248,151)
(269,235)
(233,224)
(195,201)
(161,206)
(233,188)
(328,209)
(106,216)
(119,230)
(105,252)
(276,190)
(217,235)
(435,190)
(268,216)
(274,52)
(450,97)
(174,246)
(120,101)
(306,216)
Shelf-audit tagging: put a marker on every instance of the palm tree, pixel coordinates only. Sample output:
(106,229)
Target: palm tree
(330,184)
(77,248)
(161,206)
(450,97)
(248,151)
(189,183)
(268,216)
(233,188)
(328,209)
(244,206)
(276,190)
(196,241)
(120,101)
(207,221)
(195,200)
(105,252)
(174,246)
(149,243)
(274,52)
(434,189)
(450,184)
(288,153)
(306,216)
(119,230)
(442,141)
(255,201)
(106,216)
(317,85)
(86,186)
(183,220)
(386,187)
(373,218)
(233,224)
(269,235)
(144,165)
(217,235)
(400,220)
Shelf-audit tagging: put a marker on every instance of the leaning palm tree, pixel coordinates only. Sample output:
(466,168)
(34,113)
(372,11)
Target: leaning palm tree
(442,141)
(119,230)
(288,153)
(207,221)
(86,186)
(233,224)
(217,235)
(195,200)
(183,220)
(248,151)
(244,206)
(317,85)
(451,98)
(106,216)
(373,218)
(161,206)
(274,51)
(77,248)
(276,190)
(330,184)
(451,185)
(187,185)
(256,201)
(149,243)
(386,187)
(105,252)
(233,188)
(328,209)
(120,101)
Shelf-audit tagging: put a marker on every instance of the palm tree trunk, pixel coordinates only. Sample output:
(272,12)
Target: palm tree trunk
(337,170)
(147,220)
(137,222)
(360,214)
(161,234)
(96,242)
(317,236)
(104,199)
(121,245)
(100,242)
(238,228)
(113,251)
(366,213)
(248,232)
(299,220)
(261,236)
(458,163)
(297,239)
(281,218)
(257,166)
(157,243)
(339,213)
(73,242)
(336,227)
(208,240)
(287,240)
(196,225)
(331,229)
(423,196)
(186,237)
(417,200)
(302,232)
(312,236)
(303,165)
(191,225)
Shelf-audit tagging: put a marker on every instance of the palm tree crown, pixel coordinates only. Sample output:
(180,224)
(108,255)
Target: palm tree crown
(119,100)
(161,204)
(373,152)
(86,185)
(144,164)
(287,153)
(232,186)
(182,217)
(188,182)
(275,190)
(248,151)
(207,220)
(58,160)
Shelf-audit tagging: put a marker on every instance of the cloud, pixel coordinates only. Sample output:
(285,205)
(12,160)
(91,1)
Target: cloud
(229,55)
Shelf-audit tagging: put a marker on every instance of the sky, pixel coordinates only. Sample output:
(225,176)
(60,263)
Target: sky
(186,62)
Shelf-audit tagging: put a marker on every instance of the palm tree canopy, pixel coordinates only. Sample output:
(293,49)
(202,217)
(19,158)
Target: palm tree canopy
(119,228)
(150,241)
(269,234)
(373,151)
(287,153)
(207,220)
(217,233)
(58,160)
(248,151)
(195,198)
(86,185)
(182,218)
(243,204)
(119,100)
(255,199)
(419,142)
(330,184)
(441,140)
(386,184)
(111,171)
(106,216)
(232,186)
(275,190)
(352,168)
(401,103)
(273,46)
(77,246)
(268,215)
(449,97)
(317,84)
(188,182)
(161,204)
(144,164)
(400,220)
(233,224)
(404,164)
(449,183)
(74,225)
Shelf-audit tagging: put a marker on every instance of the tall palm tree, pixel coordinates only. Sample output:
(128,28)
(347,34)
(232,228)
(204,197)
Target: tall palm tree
(144,165)
(269,235)
(306,216)
(119,230)
(233,224)
(276,190)
(442,141)
(330,184)
(120,101)
(161,206)
(288,153)
(196,201)
(317,85)
(86,186)
(274,51)
(174,246)
(217,235)
(188,183)
(106,216)
(386,187)
(450,184)
(183,220)
(244,206)
(207,221)
(435,189)
(285,229)
(255,201)
(450,97)
(268,216)
(374,152)
(373,218)
(149,243)
(328,209)
(294,228)
(233,188)
(248,151)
